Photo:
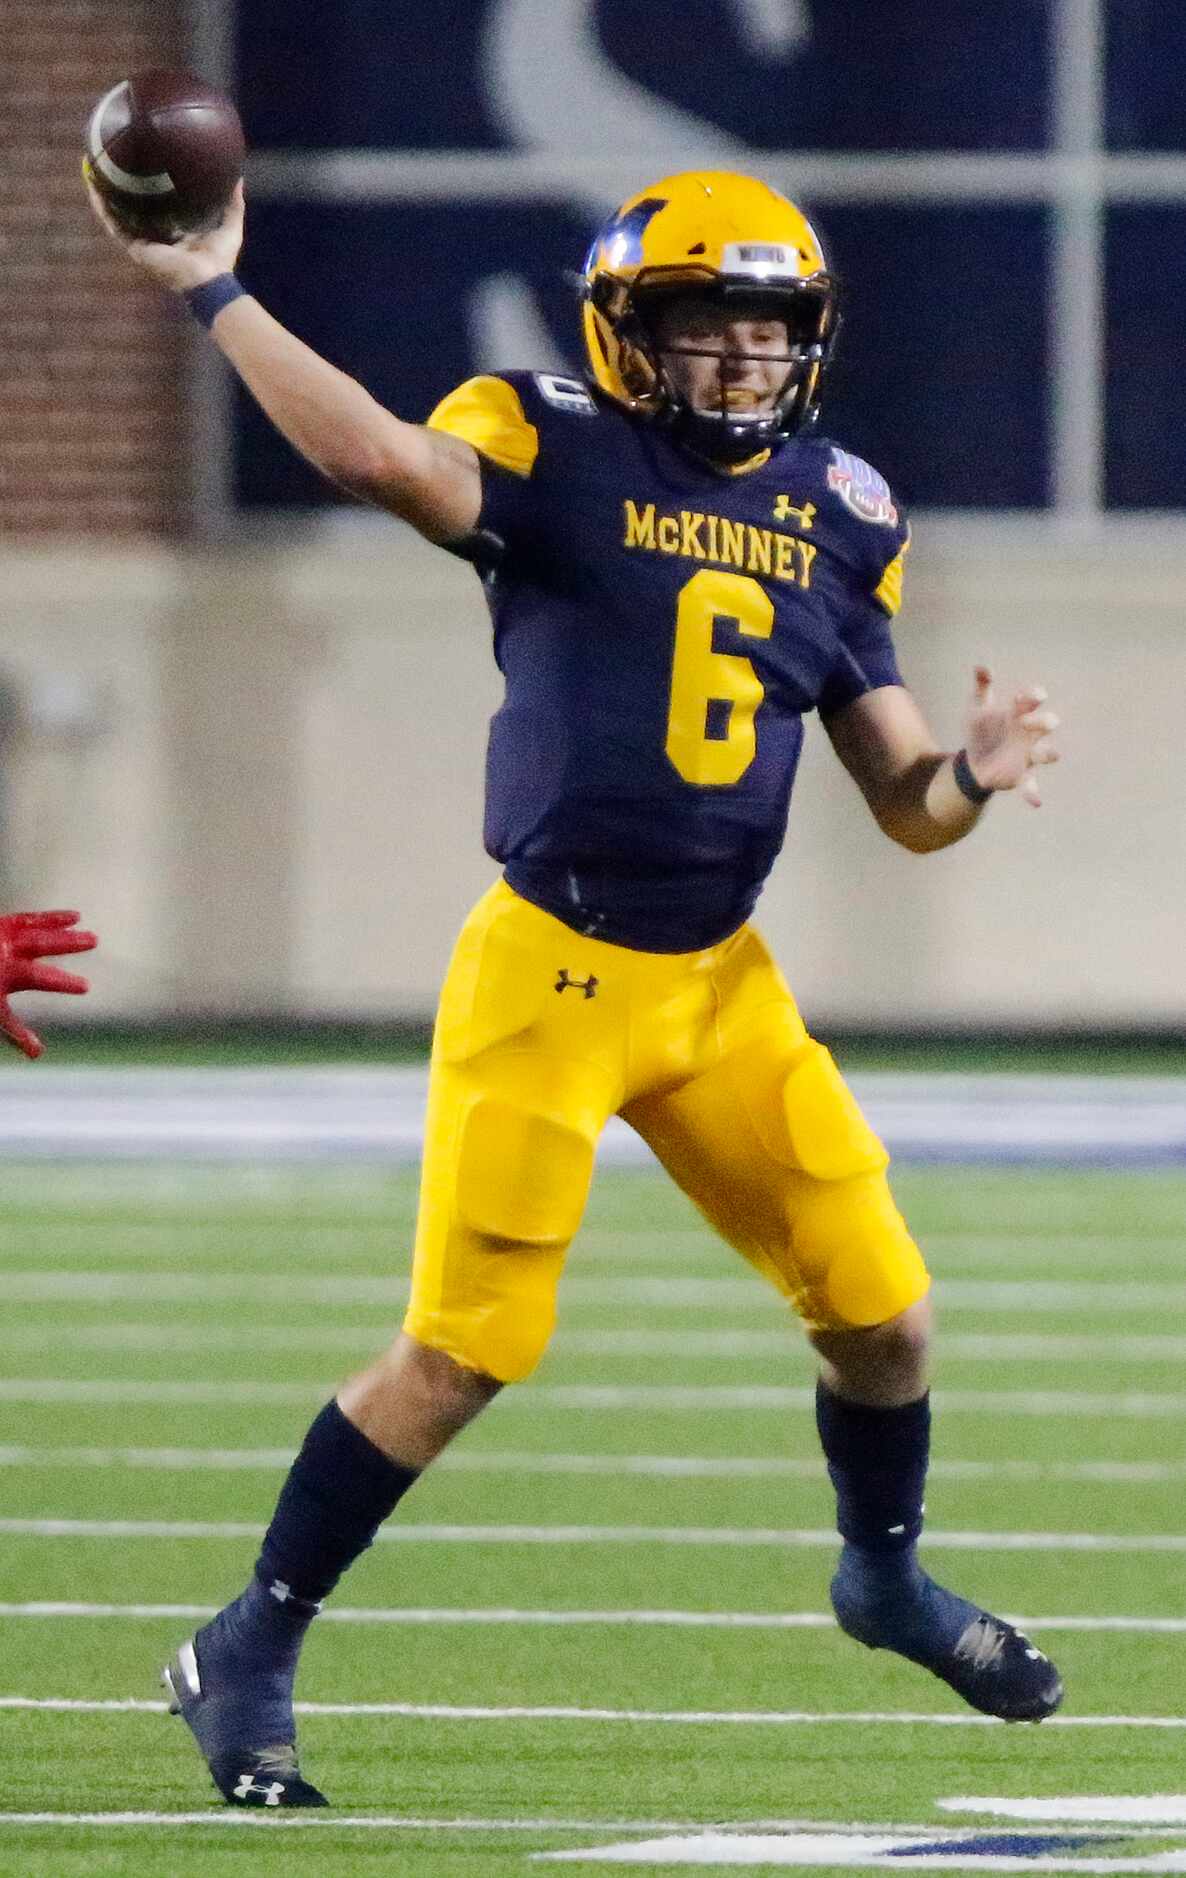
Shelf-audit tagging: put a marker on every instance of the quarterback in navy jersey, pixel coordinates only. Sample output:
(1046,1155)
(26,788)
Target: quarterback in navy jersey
(639,797)
(679,570)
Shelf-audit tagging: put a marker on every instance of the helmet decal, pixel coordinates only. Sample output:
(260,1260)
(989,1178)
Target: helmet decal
(620,241)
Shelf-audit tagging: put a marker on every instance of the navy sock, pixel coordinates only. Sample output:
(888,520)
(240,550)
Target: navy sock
(877,1461)
(340,1489)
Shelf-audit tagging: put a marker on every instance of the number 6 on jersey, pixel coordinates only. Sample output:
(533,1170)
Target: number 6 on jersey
(700,677)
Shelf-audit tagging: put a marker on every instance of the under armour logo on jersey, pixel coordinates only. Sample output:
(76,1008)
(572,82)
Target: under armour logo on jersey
(587,985)
(785,511)
(271,1795)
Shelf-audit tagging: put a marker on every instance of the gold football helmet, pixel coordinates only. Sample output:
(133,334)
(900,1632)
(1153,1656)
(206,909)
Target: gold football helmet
(709,233)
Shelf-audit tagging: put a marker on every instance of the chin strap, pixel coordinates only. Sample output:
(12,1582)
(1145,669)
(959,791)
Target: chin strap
(720,438)
(718,443)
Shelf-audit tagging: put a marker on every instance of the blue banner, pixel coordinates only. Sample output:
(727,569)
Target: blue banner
(867,75)
(947,353)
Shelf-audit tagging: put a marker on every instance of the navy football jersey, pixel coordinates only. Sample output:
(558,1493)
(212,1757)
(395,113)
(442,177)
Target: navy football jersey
(662,628)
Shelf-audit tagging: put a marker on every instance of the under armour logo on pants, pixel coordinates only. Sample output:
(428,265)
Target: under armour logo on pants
(587,985)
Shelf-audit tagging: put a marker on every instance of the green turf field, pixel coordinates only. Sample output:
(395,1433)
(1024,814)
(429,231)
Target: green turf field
(170,1330)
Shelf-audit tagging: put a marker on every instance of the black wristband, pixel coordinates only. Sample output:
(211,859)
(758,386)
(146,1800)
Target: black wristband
(965,782)
(207,301)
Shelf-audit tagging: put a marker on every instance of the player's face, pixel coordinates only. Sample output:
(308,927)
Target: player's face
(720,358)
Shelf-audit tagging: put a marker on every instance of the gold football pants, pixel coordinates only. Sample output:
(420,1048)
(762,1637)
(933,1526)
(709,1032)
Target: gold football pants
(541,1036)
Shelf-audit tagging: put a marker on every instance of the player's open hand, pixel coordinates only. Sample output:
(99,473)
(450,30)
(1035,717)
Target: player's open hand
(1007,744)
(25,940)
(190,262)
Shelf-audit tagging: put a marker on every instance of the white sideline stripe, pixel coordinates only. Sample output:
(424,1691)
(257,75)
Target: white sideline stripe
(995,1347)
(313,1113)
(675,1620)
(131,1286)
(777,1718)
(680,1398)
(732,1536)
(613,1466)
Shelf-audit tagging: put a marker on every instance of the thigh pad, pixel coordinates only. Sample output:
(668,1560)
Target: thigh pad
(808,1118)
(522,1177)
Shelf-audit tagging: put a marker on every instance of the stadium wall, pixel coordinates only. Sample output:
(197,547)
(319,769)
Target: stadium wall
(93,363)
(262,779)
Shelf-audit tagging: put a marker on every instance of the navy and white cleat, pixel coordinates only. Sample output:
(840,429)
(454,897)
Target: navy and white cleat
(990,1663)
(231,1719)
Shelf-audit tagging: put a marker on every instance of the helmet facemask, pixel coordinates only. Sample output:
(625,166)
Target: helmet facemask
(718,426)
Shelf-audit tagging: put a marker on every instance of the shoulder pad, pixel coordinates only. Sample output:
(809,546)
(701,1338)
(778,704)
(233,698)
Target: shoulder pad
(488,413)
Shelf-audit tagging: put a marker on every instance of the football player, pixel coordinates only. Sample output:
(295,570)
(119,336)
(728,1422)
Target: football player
(678,570)
(25,940)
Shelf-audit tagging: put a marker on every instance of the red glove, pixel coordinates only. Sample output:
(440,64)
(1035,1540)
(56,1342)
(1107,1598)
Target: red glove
(24,939)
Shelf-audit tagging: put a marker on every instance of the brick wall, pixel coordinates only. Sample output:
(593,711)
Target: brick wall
(92,360)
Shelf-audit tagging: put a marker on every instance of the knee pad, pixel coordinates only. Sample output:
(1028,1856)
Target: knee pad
(857,1260)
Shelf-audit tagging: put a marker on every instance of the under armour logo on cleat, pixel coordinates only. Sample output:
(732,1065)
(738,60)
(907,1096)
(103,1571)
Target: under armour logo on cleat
(280,1591)
(587,985)
(272,1795)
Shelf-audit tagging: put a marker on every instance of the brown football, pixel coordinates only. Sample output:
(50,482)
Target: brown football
(165,151)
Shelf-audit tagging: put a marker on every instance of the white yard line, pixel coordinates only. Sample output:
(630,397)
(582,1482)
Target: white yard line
(731,1289)
(417,1617)
(396,1533)
(758,1718)
(604,1466)
(777,1396)
(608,1397)
(1024,1347)
(1059,1294)
(781,1343)
(71,1389)
(245,1818)
(717,1397)
(190,1286)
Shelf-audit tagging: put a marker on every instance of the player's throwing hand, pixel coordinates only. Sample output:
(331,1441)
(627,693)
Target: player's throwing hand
(25,940)
(190,262)
(1007,743)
